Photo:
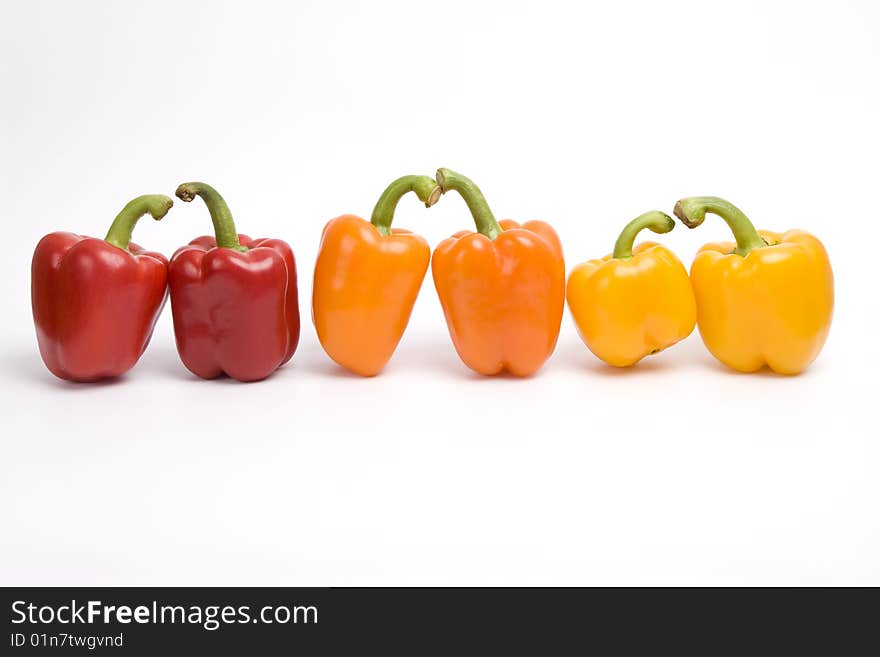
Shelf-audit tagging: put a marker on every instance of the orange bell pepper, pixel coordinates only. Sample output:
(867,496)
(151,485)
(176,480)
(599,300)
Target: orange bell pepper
(502,288)
(635,302)
(367,278)
(765,300)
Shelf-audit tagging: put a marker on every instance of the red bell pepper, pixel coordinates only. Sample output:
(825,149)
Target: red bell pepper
(233,298)
(95,302)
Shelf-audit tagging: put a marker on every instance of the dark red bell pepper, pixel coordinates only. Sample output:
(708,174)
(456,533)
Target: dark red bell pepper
(234,299)
(95,302)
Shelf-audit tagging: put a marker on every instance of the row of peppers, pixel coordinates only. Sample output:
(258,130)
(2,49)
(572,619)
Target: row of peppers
(766,299)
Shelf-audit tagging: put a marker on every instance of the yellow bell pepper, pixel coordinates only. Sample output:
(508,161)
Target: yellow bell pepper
(765,300)
(634,302)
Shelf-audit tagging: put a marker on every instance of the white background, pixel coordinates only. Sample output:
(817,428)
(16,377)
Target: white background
(675,472)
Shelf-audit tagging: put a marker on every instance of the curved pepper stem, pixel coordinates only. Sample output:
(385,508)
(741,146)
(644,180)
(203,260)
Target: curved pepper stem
(693,210)
(224,226)
(425,188)
(157,205)
(656,221)
(476,202)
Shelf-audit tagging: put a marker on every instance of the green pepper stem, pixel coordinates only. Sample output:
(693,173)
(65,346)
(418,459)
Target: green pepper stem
(656,221)
(693,210)
(120,231)
(224,226)
(476,202)
(425,188)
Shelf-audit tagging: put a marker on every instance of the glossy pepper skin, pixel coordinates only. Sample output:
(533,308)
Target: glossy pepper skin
(635,302)
(95,302)
(367,278)
(502,288)
(234,299)
(766,299)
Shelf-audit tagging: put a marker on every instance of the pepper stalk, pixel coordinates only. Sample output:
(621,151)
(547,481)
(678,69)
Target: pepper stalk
(656,221)
(221,217)
(425,188)
(156,205)
(476,202)
(692,211)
